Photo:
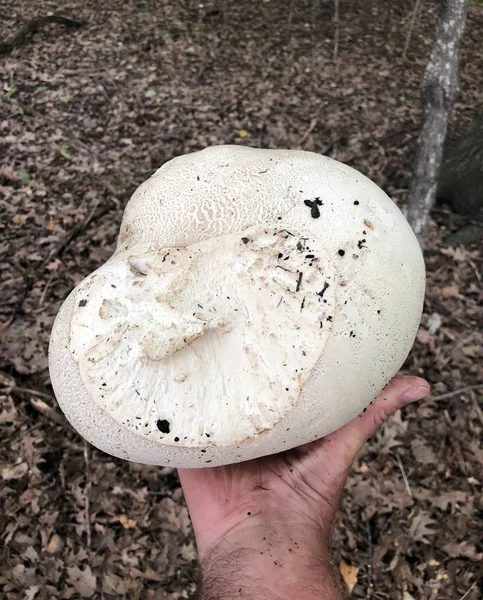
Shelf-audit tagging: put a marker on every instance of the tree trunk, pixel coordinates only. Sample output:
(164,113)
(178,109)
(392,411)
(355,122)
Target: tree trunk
(438,91)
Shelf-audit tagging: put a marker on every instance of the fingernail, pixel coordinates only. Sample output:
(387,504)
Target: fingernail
(416,393)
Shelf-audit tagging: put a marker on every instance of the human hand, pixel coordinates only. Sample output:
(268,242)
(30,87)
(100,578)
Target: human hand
(270,520)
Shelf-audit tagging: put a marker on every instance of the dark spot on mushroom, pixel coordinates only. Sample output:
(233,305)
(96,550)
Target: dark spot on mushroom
(112,285)
(322,291)
(207,434)
(329,318)
(302,305)
(314,207)
(176,439)
(162,425)
(83,302)
(341,252)
(378,312)
(299,281)
(310,256)
(279,255)
(203,449)
(360,243)
(356,202)
(245,240)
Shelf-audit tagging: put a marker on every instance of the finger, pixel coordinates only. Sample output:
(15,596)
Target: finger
(347,441)
(343,445)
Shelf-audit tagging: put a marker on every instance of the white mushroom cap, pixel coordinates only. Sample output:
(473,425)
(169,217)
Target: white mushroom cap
(257,300)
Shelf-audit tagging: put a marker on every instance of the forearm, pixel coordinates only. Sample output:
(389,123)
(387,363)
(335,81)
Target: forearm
(270,564)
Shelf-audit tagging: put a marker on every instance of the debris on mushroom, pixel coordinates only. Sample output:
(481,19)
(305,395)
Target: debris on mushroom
(232,321)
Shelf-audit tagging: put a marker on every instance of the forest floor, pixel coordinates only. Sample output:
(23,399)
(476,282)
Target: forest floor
(87,114)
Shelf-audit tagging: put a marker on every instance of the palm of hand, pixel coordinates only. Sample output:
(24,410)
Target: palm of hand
(298,482)
(303,484)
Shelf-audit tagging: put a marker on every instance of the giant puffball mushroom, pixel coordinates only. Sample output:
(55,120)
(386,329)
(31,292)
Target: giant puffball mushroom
(257,300)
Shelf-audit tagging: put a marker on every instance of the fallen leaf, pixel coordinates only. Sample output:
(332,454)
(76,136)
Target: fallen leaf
(126,522)
(450,291)
(55,544)
(54,265)
(31,592)
(349,574)
(16,472)
(84,582)
(19,219)
(420,528)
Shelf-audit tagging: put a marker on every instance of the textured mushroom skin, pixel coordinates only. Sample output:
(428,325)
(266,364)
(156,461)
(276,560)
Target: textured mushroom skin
(265,298)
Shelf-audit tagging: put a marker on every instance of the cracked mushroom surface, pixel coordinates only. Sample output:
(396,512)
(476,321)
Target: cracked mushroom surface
(257,300)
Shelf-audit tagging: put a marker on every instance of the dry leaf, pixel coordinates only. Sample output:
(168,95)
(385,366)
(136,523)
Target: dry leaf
(19,219)
(16,472)
(420,528)
(126,522)
(84,582)
(188,552)
(54,265)
(450,291)
(349,574)
(423,336)
(55,544)
(31,592)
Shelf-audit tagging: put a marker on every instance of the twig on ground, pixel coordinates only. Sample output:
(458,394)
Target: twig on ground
(465,595)
(44,409)
(20,37)
(22,390)
(404,476)
(411,28)
(311,127)
(477,273)
(67,239)
(370,585)
(335,52)
(478,410)
(44,291)
(87,489)
(478,386)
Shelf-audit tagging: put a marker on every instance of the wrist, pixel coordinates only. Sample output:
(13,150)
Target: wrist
(270,561)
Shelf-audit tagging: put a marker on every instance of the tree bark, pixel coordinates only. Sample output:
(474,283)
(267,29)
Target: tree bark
(438,91)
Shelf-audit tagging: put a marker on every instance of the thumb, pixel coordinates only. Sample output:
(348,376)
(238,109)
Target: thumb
(346,442)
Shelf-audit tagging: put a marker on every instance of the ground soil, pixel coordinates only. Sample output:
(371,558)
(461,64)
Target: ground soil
(87,114)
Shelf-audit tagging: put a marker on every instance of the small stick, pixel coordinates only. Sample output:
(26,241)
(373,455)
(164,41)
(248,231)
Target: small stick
(477,273)
(336,32)
(23,390)
(47,411)
(86,494)
(457,392)
(468,591)
(404,476)
(313,123)
(411,27)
